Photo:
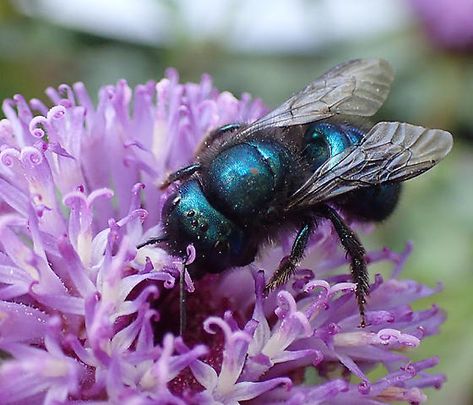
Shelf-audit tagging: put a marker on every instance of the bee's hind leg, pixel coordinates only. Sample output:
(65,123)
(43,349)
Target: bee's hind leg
(356,252)
(289,263)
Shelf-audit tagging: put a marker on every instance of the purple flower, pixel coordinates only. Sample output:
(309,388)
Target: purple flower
(86,317)
(448,23)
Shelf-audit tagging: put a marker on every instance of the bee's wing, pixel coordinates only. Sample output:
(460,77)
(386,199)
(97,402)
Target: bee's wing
(390,152)
(357,87)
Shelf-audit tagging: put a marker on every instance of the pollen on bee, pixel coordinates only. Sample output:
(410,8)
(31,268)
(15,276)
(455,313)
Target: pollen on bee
(254,171)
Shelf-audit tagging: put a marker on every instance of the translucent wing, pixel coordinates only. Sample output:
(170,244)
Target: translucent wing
(391,151)
(358,87)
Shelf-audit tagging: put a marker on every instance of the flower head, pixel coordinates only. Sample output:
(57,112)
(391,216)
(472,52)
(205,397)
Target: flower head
(448,24)
(85,316)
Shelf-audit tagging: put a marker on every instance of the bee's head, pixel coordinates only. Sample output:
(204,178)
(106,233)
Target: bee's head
(189,218)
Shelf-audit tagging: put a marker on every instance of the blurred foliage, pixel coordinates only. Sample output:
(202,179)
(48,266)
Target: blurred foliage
(432,88)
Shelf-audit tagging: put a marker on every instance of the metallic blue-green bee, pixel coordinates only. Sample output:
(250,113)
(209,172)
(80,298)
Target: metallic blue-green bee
(303,162)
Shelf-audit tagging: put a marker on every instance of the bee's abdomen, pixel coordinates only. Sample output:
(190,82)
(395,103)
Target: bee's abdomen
(323,140)
(243,180)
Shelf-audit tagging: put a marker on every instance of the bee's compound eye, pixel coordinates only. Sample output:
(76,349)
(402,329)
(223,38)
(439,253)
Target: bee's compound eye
(190,213)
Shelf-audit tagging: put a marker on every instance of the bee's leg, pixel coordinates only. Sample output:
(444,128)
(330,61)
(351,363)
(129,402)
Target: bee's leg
(182,296)
(208,141)
(182,300)
(180,174)
(289,263)
(152,241)
(188,171)
(356,252)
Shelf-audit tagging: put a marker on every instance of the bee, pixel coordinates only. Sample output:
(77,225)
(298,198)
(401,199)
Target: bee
(306,161)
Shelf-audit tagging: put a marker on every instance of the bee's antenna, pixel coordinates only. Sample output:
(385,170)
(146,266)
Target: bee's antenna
(182,300)
(153,241)
(182,293)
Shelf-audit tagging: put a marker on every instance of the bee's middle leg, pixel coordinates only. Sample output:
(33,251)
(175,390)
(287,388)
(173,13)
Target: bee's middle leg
(289,263)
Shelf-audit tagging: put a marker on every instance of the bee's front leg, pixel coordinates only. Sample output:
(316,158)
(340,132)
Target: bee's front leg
(181,174)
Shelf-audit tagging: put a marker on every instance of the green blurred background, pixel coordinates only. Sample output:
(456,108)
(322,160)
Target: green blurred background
(271,48)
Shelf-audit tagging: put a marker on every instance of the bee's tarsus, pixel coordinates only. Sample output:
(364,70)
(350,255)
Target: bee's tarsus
(362,320)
